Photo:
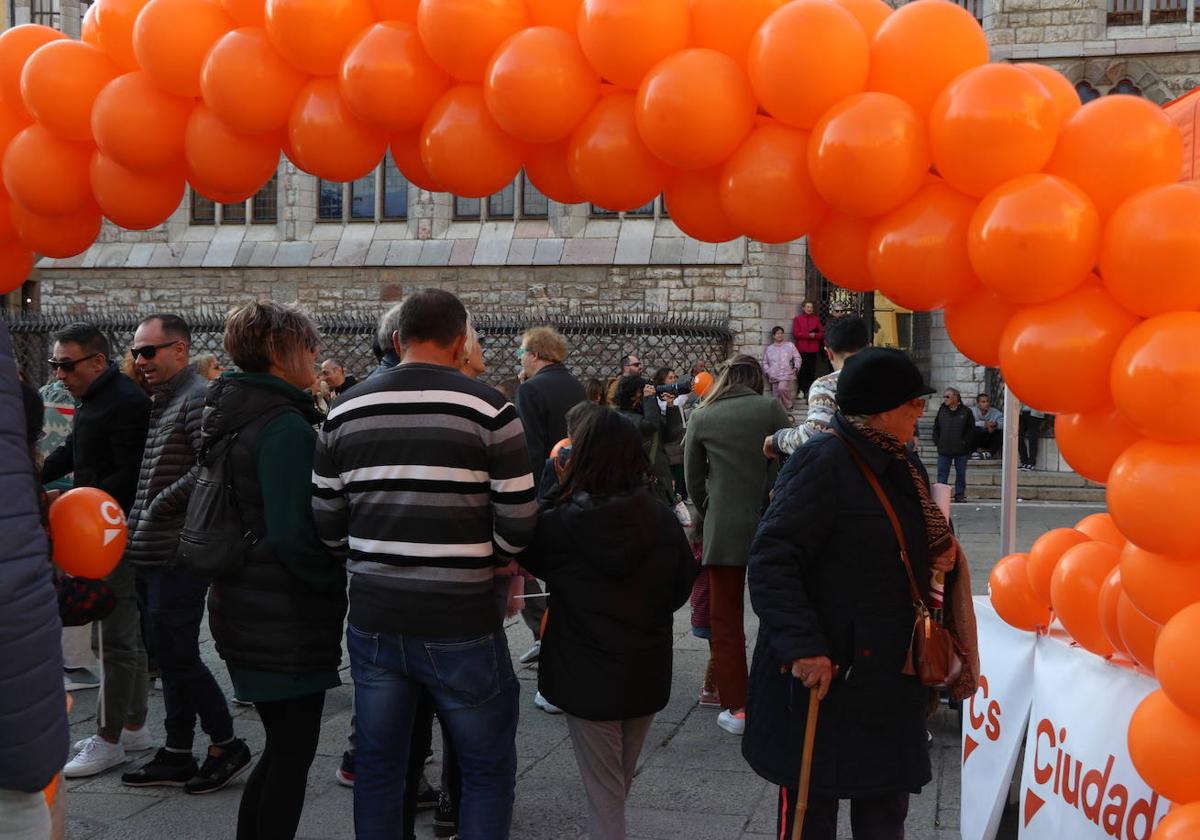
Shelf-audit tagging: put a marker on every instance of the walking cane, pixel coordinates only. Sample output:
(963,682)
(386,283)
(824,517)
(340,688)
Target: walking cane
(810,732)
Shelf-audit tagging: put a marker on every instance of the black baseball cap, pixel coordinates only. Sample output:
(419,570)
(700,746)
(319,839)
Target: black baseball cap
(878,379)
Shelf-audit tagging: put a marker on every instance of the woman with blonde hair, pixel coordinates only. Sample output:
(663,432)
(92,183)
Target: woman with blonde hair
(207,366)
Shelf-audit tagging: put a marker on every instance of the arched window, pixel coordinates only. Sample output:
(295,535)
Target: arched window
(1086,92)
(1126,86)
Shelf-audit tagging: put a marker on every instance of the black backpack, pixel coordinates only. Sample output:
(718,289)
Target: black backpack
(215,539)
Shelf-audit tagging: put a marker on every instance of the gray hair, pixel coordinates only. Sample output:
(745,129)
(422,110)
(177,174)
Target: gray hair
(389,325)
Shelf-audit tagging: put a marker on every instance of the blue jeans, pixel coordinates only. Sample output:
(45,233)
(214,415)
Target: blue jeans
(960,472)
(475,693)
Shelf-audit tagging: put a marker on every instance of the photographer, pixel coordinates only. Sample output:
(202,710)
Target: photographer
(664,378)
(636,398)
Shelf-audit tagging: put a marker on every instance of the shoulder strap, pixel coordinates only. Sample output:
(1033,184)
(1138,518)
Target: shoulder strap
(869,474)
(258,421)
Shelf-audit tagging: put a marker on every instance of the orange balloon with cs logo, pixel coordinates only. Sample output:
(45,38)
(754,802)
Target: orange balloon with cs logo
(89,533)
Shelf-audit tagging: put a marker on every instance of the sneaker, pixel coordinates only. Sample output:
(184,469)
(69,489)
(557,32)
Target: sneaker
(531,655)
(732,722)
(345,772)
(166,769)
(237,701)
(131,740)
(157,684)
(444,824)
(960,498)
(710,699)
(95,756)
(545,705)
(219,770)
(427,795)
(976,456)
(79,679)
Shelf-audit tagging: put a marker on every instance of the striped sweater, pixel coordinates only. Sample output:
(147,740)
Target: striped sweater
(421,479)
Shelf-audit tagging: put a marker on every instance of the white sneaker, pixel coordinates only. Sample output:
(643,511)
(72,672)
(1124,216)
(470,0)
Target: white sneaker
(734,724)
(96,756)
(532,654)
(545,705)
(131,740)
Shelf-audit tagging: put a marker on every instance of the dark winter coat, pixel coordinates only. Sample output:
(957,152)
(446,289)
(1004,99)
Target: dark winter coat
(659,428)
(953,430)
(107,437)
(826,580)
(169,469)
(543,401)
(617,569)
(33,708)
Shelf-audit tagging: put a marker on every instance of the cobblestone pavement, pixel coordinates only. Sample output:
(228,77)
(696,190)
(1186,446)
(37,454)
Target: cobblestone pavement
(692,782)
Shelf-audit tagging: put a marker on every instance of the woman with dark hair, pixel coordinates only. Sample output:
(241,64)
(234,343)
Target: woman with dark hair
(728,478)
(595,392)
(617,563)
(636,400)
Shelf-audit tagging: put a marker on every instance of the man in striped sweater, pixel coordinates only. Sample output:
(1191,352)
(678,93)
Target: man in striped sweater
(422,481)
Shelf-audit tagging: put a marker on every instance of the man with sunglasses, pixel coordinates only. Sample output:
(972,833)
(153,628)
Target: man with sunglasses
(104,450)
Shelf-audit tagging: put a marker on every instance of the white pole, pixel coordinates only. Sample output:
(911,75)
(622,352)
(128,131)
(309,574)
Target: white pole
(1008,475)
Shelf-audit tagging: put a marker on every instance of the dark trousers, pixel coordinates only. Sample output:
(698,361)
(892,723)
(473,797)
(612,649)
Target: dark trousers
(174,608)
(960,472)
(1029,434)
(274,793)
(808,371)
(418,748)
(877,818)
(534,608)
(727,585)
(992,441)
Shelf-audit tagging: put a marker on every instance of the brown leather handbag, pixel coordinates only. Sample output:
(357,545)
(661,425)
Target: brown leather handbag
(934,655)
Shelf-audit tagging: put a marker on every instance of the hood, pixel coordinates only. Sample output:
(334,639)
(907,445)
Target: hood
(234,399)
(607,527)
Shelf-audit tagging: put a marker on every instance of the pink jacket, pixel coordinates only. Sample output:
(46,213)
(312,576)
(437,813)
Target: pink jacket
(781,361)
(801,326)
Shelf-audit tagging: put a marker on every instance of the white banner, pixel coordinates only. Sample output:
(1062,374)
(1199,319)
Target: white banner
(994,721)
(1078,782)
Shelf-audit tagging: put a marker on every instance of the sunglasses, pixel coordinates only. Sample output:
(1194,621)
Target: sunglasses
(68,365)
(150,350)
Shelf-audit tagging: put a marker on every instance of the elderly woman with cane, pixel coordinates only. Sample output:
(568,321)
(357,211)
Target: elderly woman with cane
(844,560)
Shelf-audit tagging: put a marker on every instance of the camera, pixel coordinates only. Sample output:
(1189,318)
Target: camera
(682,386)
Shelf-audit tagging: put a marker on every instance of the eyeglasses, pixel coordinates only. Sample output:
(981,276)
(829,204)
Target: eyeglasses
(68,365)
(521,351)
(150,350)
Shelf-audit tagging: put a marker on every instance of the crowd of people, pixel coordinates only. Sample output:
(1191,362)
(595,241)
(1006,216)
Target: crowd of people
(410,513)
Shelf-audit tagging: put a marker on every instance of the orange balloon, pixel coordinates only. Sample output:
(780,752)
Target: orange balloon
(695,108)
(462,35)
(57,236)
(1150,254)
(388,80)
(975,323)
(248,84)
(917,253)
(314,34)
(222,159)
(1157,362)
(1138,633)
(328,140)
(1175,660)
(7,231)
(546,168)
(60,83)
(1116,146)
(404,11)
(539,86)
(16,261)
(921,48)
(135,200)
(1057,355)
(1160,585)
(811,40)
(1047,550)
(609,162)
(1012,596)
(1148,499)
(1066,98)
(1182,823)
(766,189)
(869,153)
(838,245)
(693,200)
(992,124)
(463,147)
(246,12)
(1034,238)
(728,25)
(138,125)
(563,14)
(1163,742)
(1100,526)
(172,37)
(870,14)
(45,174)
(115,20)
(406,152)
(16,47)
(1075,592)
(89,32)
(1110,596)
(623,39)
(89,533)
(702,383)
(1091,442)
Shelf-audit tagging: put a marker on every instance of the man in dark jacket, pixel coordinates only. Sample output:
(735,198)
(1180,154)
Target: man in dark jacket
(104,450)
(953,433)
(33,711)
(172,598)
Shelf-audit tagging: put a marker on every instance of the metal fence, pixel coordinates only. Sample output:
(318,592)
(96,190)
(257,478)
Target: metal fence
(597,342)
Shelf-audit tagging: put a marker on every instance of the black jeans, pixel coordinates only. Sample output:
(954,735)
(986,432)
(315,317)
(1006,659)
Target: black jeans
(877,818)
(808,371)
(174,608)
(1029,433)
(274,794)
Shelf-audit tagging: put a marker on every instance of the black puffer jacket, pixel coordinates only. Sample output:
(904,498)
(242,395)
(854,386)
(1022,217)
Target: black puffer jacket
(169,469)
(952,430)
(543,401)
(107,437)
(617,569)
